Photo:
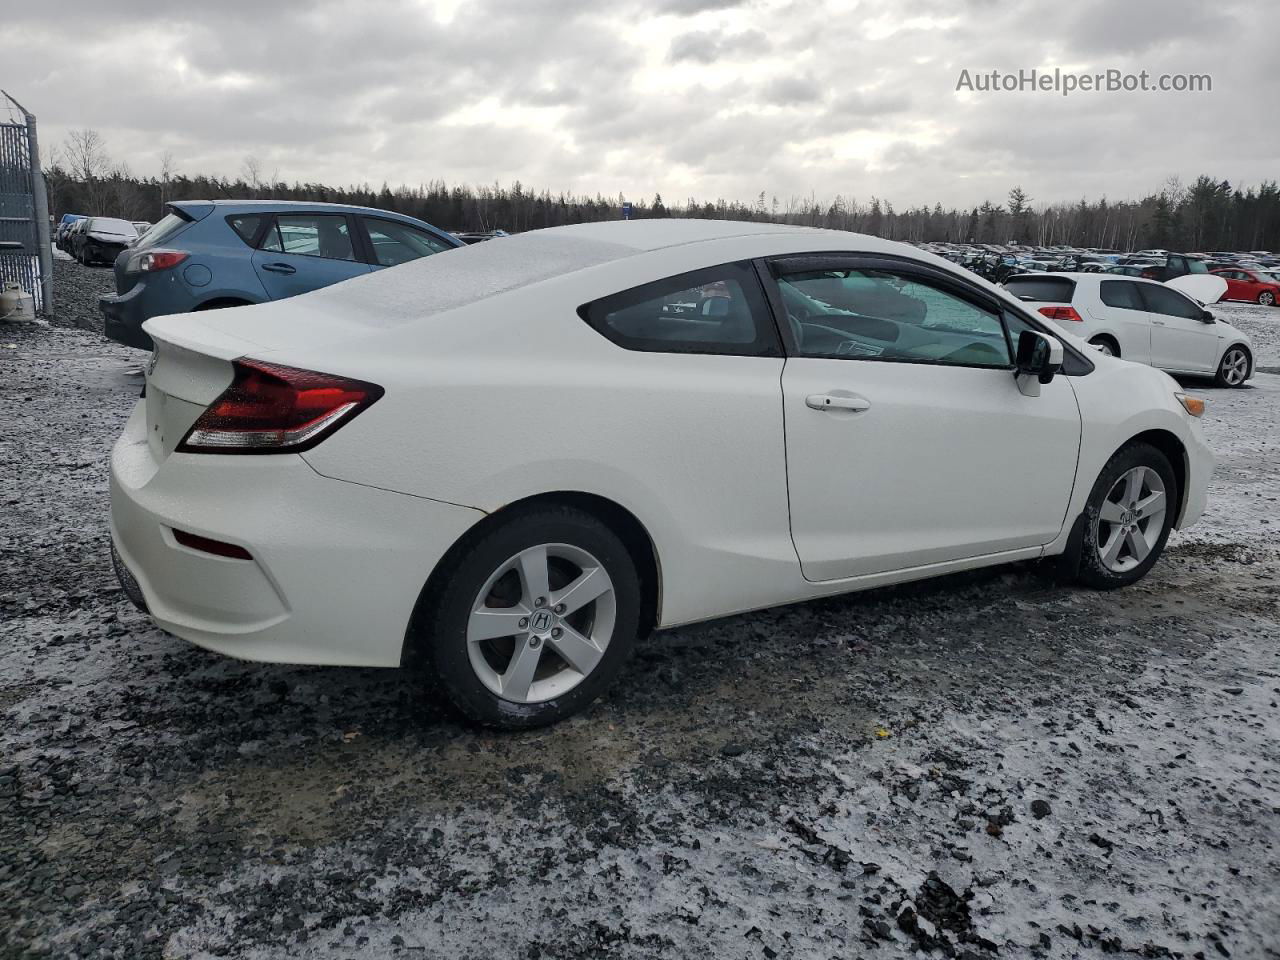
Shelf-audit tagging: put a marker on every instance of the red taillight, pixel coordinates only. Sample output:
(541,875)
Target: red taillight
(149,261)
(1062,313)
(208,545)
(270,408)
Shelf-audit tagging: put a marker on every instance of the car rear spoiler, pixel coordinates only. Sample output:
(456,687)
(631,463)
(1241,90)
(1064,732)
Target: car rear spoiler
(191,210)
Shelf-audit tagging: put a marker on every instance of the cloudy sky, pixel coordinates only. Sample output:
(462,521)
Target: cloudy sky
(705,98)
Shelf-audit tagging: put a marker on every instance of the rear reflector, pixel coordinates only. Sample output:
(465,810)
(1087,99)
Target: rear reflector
(207,545)
(270,408)
(1062,313)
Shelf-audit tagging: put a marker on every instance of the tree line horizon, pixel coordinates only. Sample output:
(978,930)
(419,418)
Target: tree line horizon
(1208,214)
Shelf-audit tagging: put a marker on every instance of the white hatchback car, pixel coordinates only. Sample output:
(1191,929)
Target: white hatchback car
(515,459)
(1140,320)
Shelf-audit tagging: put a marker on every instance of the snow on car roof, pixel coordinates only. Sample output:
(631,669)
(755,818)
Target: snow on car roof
(455,278)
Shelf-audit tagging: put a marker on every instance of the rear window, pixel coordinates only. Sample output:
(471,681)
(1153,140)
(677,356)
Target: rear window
(1042,289)
(162,231)
(111,225)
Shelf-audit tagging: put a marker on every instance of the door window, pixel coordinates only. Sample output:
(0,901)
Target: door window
(1121,293)
(311,235)
(717,310)
(884,314)
(1161,299)
(395,243)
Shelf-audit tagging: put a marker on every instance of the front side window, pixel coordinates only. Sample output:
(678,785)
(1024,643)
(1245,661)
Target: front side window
(884,314)
(717,310)
(1161,299)
(311,235)
(1121,293)
(395,243)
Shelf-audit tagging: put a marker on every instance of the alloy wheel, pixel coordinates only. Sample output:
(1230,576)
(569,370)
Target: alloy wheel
(1266,298)
(541,623)
(1235,367)
(1131,520)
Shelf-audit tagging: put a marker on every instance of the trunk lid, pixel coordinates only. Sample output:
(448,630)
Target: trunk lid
(189,368)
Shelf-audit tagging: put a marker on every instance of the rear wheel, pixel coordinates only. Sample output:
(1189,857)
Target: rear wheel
(1106,346)
(535,620)
(1128,517)
(1233,368)
(1267,298)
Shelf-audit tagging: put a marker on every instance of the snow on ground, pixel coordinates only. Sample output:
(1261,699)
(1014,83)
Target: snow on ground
(990,765)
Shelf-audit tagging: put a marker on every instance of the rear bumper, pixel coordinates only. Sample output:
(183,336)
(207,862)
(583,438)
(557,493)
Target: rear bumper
(336,567)
(122,318)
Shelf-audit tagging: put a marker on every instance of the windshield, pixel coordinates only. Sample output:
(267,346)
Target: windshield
(111,225)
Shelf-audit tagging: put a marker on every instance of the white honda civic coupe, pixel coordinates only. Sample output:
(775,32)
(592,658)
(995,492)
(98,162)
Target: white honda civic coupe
(516,459)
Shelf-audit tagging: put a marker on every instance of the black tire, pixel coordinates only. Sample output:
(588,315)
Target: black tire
(1225,377)
(1112,348)
(1091,571)
(1267,298)
(442,631)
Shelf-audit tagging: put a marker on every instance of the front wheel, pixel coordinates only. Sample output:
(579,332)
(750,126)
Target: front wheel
(535,620)
(1267,298)
(1233,369)
(1127,518)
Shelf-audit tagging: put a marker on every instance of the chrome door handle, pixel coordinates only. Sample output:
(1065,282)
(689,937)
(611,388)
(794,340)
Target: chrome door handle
(825,401)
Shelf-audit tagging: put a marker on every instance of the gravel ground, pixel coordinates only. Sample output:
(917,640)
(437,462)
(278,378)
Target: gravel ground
(987,765)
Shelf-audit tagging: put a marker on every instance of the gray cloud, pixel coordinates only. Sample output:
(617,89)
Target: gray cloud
(795,98)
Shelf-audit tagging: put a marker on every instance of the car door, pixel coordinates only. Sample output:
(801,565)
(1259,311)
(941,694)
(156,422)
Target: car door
(908,441)
(1180,340)
(1120,307)
(392,243)
(306,251)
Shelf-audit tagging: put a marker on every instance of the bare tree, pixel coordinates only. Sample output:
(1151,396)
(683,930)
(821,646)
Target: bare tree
(167,167)
(87,161)
(251,170)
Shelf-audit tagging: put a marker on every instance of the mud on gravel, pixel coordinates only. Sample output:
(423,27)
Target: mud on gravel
(988,765)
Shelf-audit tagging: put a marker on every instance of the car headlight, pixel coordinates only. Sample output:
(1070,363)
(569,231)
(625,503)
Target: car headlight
(1193,405)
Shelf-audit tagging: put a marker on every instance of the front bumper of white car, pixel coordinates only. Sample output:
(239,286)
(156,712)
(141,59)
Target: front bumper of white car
(334,568)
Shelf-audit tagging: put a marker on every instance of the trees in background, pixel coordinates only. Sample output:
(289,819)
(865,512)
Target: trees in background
(1210,214)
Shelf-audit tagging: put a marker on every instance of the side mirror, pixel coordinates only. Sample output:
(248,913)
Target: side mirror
(1206,316)
(1039,360)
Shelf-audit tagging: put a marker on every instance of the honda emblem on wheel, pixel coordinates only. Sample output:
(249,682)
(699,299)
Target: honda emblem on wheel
(541,621)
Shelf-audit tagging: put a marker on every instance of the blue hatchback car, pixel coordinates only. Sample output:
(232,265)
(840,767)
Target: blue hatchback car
(207,254)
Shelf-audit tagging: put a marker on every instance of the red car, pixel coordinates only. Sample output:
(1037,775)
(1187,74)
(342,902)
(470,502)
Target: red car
(1249,285)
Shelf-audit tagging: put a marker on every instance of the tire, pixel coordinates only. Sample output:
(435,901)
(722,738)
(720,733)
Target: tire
(1267,298)
(1106,346)
(1234,367)
(1105,563)
(473,666)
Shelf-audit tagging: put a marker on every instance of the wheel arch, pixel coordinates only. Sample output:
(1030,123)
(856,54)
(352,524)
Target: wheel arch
(1110,338)
(218,301)
(1176,453)
(634,535)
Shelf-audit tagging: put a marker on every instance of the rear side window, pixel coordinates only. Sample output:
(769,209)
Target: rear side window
(246,225)
(1121,293)
(311,235)
(718,310)
(1042,289)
